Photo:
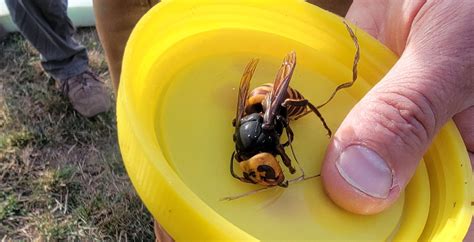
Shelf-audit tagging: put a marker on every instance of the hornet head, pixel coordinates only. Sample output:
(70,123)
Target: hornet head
(263,169)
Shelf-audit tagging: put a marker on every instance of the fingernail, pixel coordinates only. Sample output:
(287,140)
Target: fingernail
(365,170)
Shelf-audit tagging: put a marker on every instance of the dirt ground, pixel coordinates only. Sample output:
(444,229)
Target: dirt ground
(61,175)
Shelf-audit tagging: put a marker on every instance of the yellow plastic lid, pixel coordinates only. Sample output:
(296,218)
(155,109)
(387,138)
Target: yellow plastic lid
(177,99)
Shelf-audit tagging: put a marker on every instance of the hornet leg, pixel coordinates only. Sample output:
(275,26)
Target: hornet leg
(302,115)
(232,170)
(285,158)
(289,131)
(305,102)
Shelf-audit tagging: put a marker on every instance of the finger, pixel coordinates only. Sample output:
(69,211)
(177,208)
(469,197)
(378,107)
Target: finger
(376,150)
(388,21)
(368,15)
(470,233)
(465,123)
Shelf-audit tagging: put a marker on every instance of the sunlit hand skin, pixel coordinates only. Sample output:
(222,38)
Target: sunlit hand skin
(375,151)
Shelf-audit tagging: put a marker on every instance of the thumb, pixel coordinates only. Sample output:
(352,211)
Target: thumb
(376,150)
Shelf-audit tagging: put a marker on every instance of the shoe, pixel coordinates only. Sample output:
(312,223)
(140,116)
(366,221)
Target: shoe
(86,93)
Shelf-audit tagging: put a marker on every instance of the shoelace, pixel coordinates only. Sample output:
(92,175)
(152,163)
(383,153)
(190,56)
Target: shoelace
(81,78)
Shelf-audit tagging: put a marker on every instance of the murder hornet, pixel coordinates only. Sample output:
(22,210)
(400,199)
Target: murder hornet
(261,118)
(264,114)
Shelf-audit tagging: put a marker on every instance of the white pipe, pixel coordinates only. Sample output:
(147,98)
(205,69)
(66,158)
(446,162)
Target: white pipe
(79,11)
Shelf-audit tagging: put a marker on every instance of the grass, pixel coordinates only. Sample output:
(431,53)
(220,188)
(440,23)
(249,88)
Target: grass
(61,175)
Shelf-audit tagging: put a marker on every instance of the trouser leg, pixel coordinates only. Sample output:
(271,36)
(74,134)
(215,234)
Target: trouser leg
(45,24)
(115,20)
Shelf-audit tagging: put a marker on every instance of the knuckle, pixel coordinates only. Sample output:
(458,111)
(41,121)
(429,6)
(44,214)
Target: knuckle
(409,116)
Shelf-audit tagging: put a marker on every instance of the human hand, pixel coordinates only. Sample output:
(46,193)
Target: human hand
(376,150)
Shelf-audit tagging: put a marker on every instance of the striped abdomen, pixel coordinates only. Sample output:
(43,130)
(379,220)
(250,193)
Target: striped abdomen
(257,96)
